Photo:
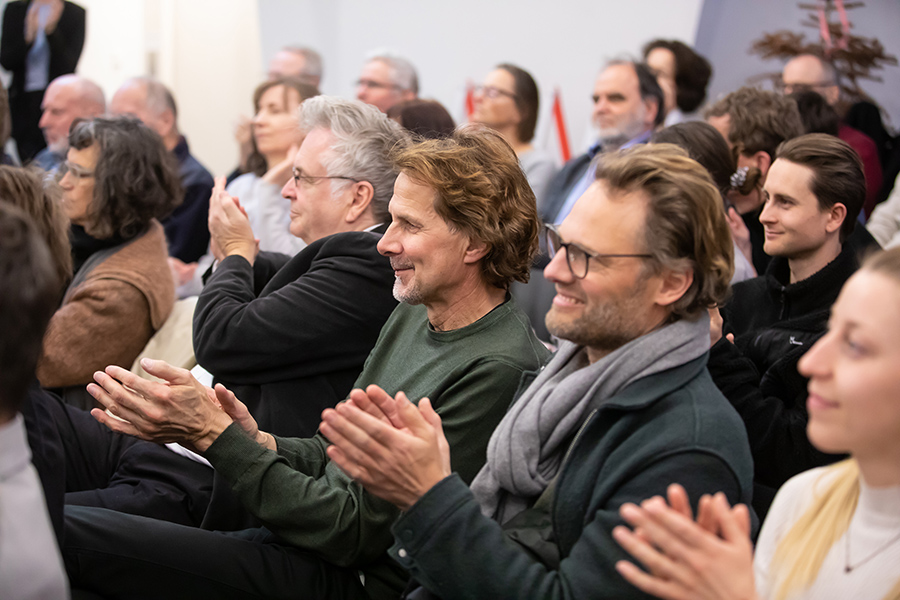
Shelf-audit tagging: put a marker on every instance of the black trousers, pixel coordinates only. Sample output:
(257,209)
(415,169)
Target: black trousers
(25,112)
(115,555)
(110,470)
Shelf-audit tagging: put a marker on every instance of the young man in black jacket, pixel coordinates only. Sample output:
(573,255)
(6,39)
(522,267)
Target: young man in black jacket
(813,194)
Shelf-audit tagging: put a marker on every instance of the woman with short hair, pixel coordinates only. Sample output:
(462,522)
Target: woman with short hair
(117,181)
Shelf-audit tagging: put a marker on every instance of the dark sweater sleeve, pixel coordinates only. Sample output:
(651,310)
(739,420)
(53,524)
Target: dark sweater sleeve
(456,552)
(304,498)
(776,427)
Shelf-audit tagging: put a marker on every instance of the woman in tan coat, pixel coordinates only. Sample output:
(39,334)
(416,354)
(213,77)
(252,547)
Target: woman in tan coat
(118,179)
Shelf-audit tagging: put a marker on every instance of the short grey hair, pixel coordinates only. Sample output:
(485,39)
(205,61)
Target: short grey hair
(313,60)
(403,73)
(159,97)
(365,139)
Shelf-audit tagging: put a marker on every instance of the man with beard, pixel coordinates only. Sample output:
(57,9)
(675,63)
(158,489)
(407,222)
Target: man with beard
(625,407)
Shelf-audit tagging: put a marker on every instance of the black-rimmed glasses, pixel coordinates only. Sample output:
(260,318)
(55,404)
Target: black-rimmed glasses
(489,91)
(577,258)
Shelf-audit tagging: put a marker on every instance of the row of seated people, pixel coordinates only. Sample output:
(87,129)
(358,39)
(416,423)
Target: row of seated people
(646,251)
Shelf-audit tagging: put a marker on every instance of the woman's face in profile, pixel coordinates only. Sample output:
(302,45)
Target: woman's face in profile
(78,183)
(854,371)
(275,124)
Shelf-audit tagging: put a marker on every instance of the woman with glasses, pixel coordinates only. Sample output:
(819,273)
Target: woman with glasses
(117,180)
(508,104)
(832,532)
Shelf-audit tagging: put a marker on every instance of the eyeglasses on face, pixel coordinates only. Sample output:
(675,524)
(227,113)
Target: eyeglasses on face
(310,180)
(578,258)
(489,91)
(76,171)
(376,85)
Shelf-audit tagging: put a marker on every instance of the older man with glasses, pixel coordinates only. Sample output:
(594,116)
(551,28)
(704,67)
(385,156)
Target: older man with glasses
(386,80)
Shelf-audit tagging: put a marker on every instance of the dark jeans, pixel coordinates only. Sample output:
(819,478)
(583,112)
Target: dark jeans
(123,556)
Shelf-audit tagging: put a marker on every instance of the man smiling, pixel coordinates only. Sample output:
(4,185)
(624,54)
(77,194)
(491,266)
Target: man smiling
(464,226)
(813,193)
(623,408)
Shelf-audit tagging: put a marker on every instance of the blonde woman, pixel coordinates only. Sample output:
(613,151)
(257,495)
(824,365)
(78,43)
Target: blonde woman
(832,532)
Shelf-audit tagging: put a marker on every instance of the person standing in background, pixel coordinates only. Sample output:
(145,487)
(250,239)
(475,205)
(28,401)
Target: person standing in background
(42,39)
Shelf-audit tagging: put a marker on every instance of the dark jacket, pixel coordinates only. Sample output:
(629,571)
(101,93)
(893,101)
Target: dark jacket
(670,427)
(187,228)
(65,43)
(774,323)
(290,335)
(560,186)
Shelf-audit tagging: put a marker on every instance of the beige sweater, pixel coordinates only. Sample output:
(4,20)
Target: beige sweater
(110,317)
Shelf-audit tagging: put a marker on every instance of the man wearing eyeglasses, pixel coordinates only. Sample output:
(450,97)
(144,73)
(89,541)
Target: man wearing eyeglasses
(386,80)
(464,225)
(624,408)
(809,72)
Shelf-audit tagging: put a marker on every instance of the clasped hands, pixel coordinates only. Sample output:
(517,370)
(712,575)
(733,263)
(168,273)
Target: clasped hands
(177,409)
(395,449)
(229,227)
(709,559)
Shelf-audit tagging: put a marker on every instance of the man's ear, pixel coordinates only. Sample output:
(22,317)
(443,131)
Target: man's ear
(673,284)
(763,161)
(360,200)
(476,250)
(652,109)
(166,123)
(836,215)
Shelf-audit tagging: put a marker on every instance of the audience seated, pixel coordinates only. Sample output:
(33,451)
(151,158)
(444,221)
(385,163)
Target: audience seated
(425,118)
(624,405)
(463,226)
(117,180)
(67,98)
(628,106)
(753,122)
(683,76)
(508,103)
(814,192)
(705,145)
(805,549)
(30,282)
(810,72)
(387,79)
(186,230)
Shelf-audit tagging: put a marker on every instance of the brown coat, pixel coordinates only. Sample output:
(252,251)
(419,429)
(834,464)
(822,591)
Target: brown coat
(111,315)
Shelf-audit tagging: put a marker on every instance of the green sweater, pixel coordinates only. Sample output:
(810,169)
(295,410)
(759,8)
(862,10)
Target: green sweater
(471,375)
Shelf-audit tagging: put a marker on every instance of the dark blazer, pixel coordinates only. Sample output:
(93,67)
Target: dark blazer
(674,426)
(65,42)
(290,335)
(560,186)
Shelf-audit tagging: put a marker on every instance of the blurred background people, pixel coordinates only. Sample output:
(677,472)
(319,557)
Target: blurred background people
(117,181)
(682,74)
(387,79)
(508,103)
(42,39)
(68,97)
(187,232)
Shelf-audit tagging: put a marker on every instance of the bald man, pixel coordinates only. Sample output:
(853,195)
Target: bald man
(809,72)
(67,98)
(187,231)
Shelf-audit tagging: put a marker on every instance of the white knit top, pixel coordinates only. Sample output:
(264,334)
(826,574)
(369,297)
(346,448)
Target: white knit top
(875,558)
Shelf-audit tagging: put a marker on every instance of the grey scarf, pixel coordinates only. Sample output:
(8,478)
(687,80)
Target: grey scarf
(527,448)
